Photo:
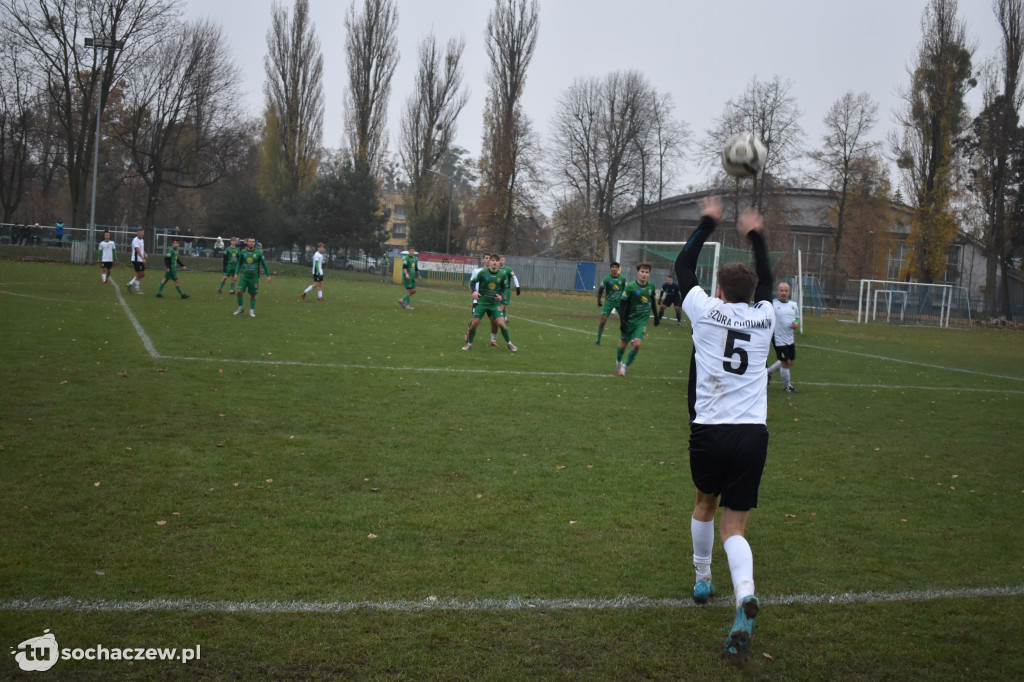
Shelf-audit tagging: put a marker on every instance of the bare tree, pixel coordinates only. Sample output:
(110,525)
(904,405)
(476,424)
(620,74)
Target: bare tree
(179,122)
(769,110)
(932,118)
(51,34)
(600,144)
(371,46)
(429,126)
(16,125)
(294,104)
(511,39)
(662,144)
(844,143)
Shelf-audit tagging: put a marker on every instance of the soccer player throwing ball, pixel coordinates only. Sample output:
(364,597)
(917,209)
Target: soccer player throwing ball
(488,295)
(635,309)
(728,408)
(249,275)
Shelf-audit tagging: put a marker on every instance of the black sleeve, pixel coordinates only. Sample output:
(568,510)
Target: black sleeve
(686,261)
(763,292)
(167,262)
(600,290)
(225,260)
(624,307)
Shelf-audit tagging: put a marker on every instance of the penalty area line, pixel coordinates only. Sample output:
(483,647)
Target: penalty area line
(490,605)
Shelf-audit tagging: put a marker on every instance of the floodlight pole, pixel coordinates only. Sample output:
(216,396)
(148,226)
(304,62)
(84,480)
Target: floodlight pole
(97,44)
(448,234)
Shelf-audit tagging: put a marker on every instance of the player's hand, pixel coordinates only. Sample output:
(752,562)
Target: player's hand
(268,278)
(598,303)
(711,207)
(517,291)
(750,221)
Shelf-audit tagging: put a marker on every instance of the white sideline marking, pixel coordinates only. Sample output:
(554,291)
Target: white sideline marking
(497,605)
(146,341)
(155,354)
(912,362)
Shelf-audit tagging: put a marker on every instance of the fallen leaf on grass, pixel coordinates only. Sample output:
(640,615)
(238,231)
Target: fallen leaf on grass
(96,484)
(161,523)
(372,536)
(768,656)
(100,573)
(559,466)
(790,516)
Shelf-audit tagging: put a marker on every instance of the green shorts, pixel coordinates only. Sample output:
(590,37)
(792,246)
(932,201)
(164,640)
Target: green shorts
(485,306)
(172,275)
(250,284)
(609,306)
(231,270)
(634,331)
(408,283)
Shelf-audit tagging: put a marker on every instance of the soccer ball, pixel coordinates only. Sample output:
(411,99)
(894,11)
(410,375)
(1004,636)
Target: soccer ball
(743,155)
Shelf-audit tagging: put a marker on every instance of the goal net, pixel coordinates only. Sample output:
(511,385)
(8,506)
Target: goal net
(662,257)
(905,303)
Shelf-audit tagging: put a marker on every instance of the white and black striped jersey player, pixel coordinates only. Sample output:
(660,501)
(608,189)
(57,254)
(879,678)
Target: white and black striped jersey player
(728,408)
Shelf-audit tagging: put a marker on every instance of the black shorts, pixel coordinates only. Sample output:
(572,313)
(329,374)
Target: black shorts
(786,352)
(318,278)
(107,264)
(727,460)
(672,300)
(139,266)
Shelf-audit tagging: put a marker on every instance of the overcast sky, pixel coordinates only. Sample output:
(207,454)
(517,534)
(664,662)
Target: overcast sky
(701,52)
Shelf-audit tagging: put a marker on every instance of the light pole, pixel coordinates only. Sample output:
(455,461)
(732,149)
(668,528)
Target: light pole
(451,186)
(97,44)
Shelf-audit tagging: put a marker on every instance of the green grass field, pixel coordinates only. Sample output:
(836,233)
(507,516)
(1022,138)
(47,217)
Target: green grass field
(336,490)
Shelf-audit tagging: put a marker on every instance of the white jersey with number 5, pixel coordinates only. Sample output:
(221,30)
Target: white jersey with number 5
(730,343)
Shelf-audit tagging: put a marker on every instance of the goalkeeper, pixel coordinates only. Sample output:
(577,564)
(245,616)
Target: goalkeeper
(671,296)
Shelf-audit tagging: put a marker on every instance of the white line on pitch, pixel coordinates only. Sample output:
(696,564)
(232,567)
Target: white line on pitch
(146,341)
(912,362)
(507,604)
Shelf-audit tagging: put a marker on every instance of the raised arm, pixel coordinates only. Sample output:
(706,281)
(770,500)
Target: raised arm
(750,224)
(686,261)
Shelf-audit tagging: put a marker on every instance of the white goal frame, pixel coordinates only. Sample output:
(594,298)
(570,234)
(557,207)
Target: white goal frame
(892,296)
(716,246)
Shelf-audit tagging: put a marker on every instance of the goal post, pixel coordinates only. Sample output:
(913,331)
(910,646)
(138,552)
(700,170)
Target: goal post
(662,257)
(905,303)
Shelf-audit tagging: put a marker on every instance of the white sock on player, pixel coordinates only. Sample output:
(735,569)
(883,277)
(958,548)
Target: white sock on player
(308,289)
(785,376)
(741,567)
(703,535)
(320,293)
(775,368)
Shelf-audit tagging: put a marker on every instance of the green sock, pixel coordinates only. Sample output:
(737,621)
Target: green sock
(618,353)
(600,330)
(240,300)
(472,333)
(180,292)
(160,288)
(504,333)
(252,304)
(631,357)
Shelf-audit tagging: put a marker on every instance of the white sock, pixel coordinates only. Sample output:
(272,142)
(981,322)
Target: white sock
(494,337)
(308,289)
(131,282)
(319,293)
(785,376)
(775,368)
(104,277)
(703,535)
(741,567)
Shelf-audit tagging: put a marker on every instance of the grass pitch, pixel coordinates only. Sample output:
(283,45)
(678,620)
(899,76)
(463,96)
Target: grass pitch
(337,490)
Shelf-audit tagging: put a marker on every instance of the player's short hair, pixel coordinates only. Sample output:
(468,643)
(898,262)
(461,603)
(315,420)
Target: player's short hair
(486,255)
(668,276)
(641,266)
(319,245)
(738,281)
(495,255)
(614,264)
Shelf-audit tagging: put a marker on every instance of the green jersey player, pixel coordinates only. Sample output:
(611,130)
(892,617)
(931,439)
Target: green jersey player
(488,287)
(612,287)
(410,271)
(250,260)
(635,309)
(232,255)
(171,263)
